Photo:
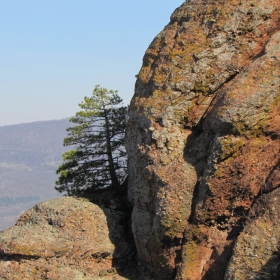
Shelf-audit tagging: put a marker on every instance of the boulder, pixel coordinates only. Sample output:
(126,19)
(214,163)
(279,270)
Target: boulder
(64,238)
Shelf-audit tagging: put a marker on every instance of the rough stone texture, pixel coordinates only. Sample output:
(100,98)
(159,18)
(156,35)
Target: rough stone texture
(64,238)
(203,137)
(256,254)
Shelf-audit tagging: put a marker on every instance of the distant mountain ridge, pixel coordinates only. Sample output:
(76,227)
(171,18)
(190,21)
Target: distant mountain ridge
(37,137)
(29,156)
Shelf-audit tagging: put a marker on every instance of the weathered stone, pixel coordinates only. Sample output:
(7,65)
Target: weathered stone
(256,253)
(64,238)
(203,134)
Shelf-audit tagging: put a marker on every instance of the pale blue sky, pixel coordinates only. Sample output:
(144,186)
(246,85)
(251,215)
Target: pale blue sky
(53,52)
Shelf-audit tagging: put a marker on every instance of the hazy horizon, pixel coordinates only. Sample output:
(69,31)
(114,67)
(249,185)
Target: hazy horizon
(38,121)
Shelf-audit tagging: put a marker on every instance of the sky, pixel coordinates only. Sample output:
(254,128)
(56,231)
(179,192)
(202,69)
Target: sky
(53,52)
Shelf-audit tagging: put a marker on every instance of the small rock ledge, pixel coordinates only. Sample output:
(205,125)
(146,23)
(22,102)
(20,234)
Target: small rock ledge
(64,238)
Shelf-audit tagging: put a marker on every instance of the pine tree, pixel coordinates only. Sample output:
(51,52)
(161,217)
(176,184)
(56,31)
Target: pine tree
(99,157)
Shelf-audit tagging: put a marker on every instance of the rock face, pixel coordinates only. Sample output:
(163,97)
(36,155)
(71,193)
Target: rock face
(256,253)
(203,142)
(63,238)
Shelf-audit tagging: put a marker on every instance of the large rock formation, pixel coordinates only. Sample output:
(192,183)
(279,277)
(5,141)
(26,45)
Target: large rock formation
(203,142)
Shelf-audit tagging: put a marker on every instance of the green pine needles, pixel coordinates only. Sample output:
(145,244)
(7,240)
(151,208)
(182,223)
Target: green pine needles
(99,158)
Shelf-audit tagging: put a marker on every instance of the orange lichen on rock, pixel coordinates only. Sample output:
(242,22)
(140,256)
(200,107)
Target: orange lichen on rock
(63,238)
(203,135)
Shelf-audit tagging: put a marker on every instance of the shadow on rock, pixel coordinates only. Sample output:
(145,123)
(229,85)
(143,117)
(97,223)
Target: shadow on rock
(271,270)
(118,211)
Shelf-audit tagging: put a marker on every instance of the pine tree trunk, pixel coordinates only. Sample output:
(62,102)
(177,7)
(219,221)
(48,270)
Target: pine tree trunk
(112,170)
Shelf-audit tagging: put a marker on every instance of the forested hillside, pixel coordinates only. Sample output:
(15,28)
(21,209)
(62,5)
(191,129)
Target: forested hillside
(29,156)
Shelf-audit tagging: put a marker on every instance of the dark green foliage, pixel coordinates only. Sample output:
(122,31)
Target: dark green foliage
(99,157)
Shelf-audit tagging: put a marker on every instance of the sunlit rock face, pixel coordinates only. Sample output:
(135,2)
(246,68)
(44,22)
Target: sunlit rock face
(203,140)
(64,238)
